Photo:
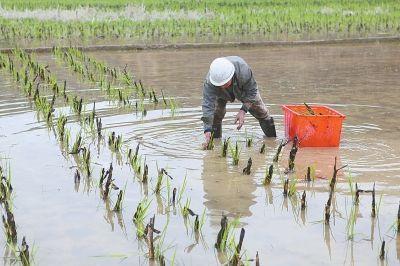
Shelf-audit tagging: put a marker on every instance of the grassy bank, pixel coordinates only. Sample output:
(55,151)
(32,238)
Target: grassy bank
(173,21)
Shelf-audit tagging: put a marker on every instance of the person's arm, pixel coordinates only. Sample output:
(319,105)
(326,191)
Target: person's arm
(208,105)
(249,87)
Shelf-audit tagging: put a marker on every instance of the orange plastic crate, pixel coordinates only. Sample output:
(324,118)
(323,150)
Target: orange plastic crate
(320,130)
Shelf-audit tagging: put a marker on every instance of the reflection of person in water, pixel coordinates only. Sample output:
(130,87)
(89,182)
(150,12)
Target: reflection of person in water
(230,194)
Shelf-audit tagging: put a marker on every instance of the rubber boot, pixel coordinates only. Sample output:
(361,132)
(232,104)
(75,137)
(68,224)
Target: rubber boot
(268,126)
(217,130)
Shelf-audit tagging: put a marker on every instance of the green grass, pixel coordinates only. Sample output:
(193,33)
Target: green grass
(279,19)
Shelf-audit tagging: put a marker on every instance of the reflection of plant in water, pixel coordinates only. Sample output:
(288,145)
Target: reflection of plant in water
(118,204)
(351,221)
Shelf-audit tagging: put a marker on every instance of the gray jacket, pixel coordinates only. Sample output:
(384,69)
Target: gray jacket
(244,88)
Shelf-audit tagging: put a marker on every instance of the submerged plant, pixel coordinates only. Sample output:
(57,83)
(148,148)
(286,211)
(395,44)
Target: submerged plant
(247,169)
(24,253)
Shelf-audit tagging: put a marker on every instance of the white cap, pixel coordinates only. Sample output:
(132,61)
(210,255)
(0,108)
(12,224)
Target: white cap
(221,71)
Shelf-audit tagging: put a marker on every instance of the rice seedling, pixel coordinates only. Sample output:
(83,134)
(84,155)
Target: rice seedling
(199,222)
(90,119)
(77,144)
(334,177)
(249,140)
(182,189)
(99,127)
(268,175)
(140,214)
(186,209)
(160,248)
(86,161)
(247,169)
(225,147)
(235,153)
(61,122)
(77,105)
(262,150)
(160,178)
(114,142)
(173,105)
(210,144)
(5,185)
(24,253)
(135,162)
(235,260)
(225,232)
(281,145)
(109,181)
(292,154)
(10,228)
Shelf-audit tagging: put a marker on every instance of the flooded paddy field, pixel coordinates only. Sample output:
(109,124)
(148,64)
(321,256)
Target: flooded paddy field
(68,220)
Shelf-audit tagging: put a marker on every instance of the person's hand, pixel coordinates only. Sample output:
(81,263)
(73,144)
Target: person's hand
(240,119)
(207,137)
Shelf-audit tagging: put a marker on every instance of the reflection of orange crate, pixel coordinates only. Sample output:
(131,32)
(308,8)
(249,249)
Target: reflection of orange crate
(320,130)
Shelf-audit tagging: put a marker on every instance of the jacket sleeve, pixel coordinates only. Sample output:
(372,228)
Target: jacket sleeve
(249,87)
(208,105)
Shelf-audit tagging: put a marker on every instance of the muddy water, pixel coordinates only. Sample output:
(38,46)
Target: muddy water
(71,225)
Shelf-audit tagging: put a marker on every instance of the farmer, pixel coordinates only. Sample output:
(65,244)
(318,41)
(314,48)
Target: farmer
(230,78)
